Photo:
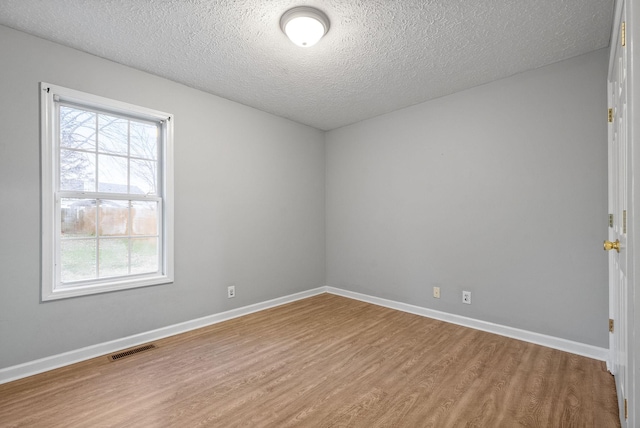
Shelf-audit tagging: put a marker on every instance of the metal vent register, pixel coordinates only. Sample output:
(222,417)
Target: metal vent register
(130,352)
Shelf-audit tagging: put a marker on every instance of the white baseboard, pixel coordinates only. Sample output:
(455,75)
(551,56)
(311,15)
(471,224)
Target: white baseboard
(578,348)
(56,361)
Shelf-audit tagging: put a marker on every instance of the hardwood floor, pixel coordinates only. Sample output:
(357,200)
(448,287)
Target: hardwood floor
(326,361)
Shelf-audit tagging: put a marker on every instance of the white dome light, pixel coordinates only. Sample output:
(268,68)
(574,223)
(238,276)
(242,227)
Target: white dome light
(304,25)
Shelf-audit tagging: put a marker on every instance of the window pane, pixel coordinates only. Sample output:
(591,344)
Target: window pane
(114,257)
(144,255)
(77,171)
(106,180)
(113,218)
(144,140)
(143,177)
(78,217)
(77,128)
(114,135)
(112,174)
(144,218)
(77,259)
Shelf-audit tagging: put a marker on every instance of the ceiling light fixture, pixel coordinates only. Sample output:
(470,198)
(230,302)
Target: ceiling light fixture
(304,25)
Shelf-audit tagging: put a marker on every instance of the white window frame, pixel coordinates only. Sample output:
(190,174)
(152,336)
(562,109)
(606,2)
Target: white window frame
(50,98)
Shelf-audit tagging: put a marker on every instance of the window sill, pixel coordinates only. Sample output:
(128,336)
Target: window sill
(105,287)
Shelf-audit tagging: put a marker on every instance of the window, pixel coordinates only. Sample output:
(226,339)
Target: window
(107,194)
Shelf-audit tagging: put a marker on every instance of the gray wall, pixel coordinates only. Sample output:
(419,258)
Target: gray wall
(249,205)
(499,190)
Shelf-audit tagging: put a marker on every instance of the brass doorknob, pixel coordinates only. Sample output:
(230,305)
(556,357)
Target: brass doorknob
(608,245)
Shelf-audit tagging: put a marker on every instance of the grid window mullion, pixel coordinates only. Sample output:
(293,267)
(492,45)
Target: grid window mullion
(129,227)
(97,233)
(97,180)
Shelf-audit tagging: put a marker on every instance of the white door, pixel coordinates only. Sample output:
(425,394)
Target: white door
(619,186)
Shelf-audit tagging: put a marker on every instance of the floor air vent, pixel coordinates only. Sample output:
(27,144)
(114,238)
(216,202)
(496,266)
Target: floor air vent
(130,352)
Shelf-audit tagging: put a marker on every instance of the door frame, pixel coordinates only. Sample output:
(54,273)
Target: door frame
(631,323)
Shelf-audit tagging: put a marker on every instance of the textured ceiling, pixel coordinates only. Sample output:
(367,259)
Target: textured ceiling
(378,56)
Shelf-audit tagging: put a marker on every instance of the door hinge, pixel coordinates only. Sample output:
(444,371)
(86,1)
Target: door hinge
(624,221)
(610,325)
(623,33)
(610,115)
(610,220)
(626,409)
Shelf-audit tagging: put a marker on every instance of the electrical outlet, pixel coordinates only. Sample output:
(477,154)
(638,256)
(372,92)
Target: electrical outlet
(436,292)
(466,297)
(231,291)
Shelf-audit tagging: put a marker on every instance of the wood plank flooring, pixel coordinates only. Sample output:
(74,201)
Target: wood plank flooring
(325,361)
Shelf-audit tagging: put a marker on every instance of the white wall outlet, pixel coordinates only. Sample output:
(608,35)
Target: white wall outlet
(466,297)
(436,292)
(231,291)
